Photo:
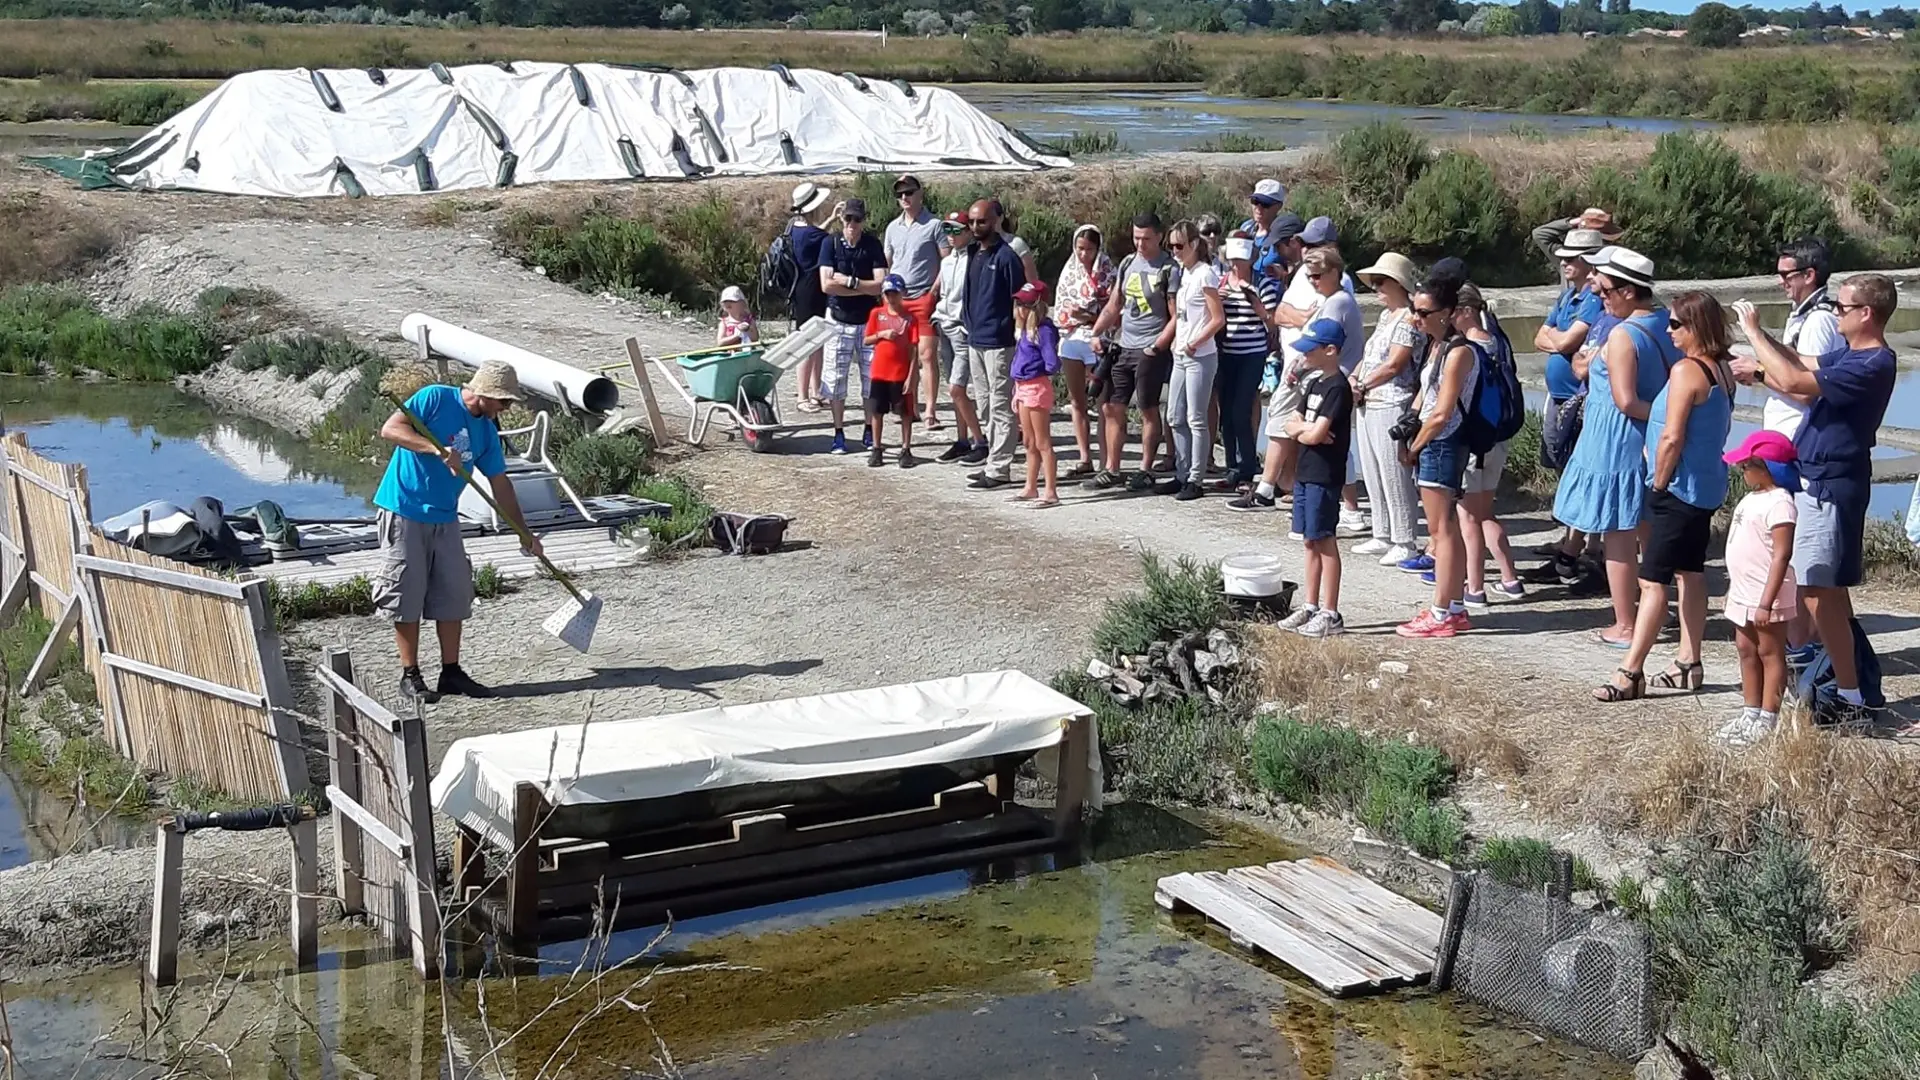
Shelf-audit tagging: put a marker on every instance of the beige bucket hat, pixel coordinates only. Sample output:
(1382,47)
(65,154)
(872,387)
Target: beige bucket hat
(496,379)
(1393,265)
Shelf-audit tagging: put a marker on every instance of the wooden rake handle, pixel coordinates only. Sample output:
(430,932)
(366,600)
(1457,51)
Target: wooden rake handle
(466,475)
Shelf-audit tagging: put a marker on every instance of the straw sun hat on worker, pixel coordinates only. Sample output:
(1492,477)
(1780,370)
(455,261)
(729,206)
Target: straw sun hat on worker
(1392,265)
(497,380)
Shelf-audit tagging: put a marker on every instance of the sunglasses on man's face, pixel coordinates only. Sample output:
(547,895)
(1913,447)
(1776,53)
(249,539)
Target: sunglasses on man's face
(1844,310)
(854,219)
(1793,272)
(907,194)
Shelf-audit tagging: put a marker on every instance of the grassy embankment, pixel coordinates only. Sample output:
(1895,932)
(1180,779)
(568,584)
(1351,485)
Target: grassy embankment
(1554,74)
(1781,861)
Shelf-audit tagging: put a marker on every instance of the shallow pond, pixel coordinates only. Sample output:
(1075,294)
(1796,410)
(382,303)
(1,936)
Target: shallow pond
(1057,973)
(142,442)
(1180,117)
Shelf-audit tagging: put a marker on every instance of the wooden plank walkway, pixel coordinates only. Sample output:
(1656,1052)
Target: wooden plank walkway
(1342,931)
(573,550)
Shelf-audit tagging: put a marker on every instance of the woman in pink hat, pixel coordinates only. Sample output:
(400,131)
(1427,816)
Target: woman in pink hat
(1761,597)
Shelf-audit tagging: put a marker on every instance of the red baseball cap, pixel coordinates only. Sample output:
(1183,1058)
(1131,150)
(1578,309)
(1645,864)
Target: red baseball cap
(1030,292)
(1763,444)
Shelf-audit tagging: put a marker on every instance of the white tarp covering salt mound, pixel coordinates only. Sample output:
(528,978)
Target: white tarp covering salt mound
(275,133)
(844,734)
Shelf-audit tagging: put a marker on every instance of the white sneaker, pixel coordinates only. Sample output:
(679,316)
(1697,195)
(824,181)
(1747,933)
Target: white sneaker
(1746,729)
(1374,546)
(1396,555)
(1298,618)
(1324,624)
(1352,523)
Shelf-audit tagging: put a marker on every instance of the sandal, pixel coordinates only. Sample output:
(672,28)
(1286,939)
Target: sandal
(1081,468)
(1636,688)
(1044,504)
(1684,677)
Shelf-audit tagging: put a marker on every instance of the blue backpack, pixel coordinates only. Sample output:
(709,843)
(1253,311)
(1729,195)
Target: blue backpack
(1498,408)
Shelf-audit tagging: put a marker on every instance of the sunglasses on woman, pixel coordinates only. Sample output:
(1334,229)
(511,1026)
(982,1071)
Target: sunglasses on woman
(1177,246)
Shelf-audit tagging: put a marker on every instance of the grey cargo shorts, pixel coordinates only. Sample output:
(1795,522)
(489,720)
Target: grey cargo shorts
(426,575)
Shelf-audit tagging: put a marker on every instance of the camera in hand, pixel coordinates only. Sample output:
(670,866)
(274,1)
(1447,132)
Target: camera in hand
(1405,428)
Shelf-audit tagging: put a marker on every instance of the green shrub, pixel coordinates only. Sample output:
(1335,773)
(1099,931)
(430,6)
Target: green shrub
(1179,597)
(713,249)
(1186,751)
(1525,469)
(1887,553)
(1526,863)
(44,328)
(1083,141)
(1707,215)
(1234,142)
(300,355)
(314,600)
(1455,207)
(488,584)
(687,525)
(1380,160)
(1139,195)
(1393,787)
(144,105)
(604,464)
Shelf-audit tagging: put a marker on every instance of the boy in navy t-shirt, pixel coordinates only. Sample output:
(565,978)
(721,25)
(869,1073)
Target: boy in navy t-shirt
(1324,430)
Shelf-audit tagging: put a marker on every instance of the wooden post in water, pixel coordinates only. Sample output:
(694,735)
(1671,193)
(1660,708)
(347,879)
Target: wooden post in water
(305,917)
(163,951)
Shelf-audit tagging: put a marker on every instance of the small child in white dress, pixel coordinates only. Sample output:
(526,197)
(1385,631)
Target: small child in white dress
(1761,595)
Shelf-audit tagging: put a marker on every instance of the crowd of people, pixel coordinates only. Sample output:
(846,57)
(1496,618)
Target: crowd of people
(1199,323)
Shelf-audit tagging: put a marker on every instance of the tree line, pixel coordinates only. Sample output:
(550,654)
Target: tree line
(1015,17)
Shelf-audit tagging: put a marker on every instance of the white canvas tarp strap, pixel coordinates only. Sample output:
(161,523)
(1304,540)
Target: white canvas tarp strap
(884,729)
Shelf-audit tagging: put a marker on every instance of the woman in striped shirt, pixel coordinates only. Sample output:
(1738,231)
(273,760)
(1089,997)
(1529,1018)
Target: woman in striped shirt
(1244,346)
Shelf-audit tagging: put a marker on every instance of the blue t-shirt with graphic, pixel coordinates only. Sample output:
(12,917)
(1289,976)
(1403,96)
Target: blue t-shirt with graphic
(420,487)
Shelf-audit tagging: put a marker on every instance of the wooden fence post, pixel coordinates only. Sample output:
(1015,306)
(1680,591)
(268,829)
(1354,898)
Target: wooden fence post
(1076,744)
(306,893)
(523,866)
(290,756)
(343,725)
(163,952)
(423,905)
(656,424)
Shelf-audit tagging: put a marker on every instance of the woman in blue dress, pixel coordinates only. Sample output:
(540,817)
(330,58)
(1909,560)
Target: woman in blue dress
(1603,490)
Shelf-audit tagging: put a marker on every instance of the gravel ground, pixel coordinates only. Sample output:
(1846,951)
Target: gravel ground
(895,576)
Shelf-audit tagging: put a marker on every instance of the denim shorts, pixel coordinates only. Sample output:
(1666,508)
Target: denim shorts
(1316,510)
(1443,463)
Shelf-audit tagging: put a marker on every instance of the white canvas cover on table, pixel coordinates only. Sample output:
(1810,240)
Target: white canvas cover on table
(845,734)
(270,133)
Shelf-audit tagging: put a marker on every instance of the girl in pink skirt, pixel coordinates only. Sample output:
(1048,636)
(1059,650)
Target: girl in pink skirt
(1036,360)
(1760,590)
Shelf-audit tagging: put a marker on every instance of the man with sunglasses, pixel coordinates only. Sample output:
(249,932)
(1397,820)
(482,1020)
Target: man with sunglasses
(913,245)
(1846,398)
(994,274)
(1813,329)
(850,274)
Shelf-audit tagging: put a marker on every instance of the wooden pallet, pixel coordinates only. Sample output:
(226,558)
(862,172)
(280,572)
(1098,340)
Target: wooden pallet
(1342,931)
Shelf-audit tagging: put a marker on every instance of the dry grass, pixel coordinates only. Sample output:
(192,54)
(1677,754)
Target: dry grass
(1855,801)
(43,239)
(1645,768)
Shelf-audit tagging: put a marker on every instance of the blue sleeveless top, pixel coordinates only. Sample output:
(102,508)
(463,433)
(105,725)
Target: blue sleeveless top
(1701,479)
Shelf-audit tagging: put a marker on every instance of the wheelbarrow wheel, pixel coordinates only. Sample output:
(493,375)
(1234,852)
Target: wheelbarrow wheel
(759,411)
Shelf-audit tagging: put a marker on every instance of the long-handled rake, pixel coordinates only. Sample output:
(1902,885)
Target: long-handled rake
(574,621)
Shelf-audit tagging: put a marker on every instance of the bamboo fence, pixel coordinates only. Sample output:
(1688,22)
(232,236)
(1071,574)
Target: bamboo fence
(187,664)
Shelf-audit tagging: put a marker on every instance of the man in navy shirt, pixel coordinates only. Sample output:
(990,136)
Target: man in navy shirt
(851,268)
(1846,399)
(994,274)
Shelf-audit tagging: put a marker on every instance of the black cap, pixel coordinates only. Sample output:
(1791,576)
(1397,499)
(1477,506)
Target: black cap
(854,208)
(1286,225)
(907,182)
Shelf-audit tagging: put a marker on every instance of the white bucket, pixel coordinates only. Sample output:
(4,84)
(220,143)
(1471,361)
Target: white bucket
(1252,575)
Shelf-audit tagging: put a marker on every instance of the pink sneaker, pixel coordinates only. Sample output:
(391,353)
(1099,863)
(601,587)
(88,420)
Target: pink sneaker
(1458,621)
(1424,625)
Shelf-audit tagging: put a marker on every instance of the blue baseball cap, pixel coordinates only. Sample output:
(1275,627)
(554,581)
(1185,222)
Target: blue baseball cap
(1320,332)
(893,283)
(1319,231)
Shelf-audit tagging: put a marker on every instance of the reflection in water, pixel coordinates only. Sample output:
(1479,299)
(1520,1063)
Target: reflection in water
(1067,973)
(36,825)
(154,442)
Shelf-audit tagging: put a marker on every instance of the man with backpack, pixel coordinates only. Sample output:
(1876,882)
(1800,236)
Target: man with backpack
(1141,306)
(790,271)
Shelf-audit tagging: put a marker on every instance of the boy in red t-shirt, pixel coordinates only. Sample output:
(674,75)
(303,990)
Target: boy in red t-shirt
(894,337)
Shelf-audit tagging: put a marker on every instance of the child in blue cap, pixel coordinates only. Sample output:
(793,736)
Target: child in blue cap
(1324,431)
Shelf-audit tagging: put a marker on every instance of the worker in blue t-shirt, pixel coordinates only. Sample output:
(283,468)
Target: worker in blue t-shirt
(427,574)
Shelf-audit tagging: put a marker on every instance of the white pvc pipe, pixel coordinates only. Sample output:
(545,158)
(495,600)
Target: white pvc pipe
(568,385)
